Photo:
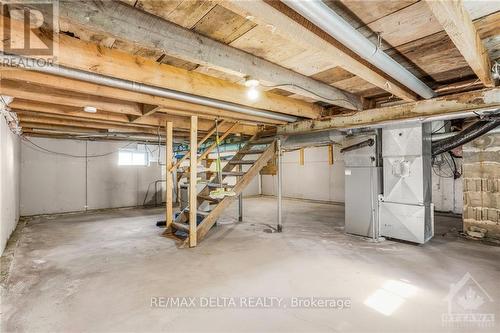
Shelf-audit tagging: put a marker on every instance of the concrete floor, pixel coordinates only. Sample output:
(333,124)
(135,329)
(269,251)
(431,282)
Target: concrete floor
(98,272)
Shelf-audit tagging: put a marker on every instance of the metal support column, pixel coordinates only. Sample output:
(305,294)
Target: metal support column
(169,179)
(280,182)
(240,200)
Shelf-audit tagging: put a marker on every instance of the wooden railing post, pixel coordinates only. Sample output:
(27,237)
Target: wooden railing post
(193,161)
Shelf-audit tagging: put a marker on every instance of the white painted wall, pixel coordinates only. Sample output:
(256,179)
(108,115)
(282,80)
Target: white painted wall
(317,180)
(9,182)
(54,184)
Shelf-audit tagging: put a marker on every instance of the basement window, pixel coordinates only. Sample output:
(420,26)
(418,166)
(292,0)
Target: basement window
(128,157)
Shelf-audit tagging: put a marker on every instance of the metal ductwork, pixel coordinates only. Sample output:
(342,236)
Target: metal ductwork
(141,88)
(311,139)
(324,17)
(470,133)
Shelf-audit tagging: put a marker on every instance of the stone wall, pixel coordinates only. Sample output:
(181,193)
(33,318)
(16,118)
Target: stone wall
(481,172)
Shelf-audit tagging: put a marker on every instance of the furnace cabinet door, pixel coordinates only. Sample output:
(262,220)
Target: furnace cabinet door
(361,195)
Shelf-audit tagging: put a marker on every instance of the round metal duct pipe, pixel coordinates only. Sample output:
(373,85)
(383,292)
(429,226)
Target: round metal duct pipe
(311,139)
(143,88)
(324,17)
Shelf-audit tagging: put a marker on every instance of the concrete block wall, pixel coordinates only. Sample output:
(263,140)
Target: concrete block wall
(481,171)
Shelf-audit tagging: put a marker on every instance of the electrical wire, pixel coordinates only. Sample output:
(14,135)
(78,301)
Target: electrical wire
(438,167)
(16,130)
(440,128)
(48,151)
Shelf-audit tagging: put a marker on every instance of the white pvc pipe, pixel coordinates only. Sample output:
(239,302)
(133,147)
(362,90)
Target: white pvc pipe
(325,18)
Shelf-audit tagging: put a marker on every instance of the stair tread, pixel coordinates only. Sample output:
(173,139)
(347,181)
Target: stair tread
(218,185)
(243,162)
(180,226)
(203,171)
(252,151)
(208,198)
(233,173)
(201,212)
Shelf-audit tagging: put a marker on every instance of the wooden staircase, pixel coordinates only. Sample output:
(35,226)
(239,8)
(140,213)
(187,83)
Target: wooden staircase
(262,147)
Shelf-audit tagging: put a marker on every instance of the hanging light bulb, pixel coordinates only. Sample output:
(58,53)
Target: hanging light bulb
(251,82)
(253,93)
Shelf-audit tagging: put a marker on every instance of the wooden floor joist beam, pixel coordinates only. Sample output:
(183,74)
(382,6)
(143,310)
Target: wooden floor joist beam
(457,23)
(63,132)
(180,122)
(294,27)
(169,106)
(128,23)
(34,118)
(17,89)
(90,57)
(472,100)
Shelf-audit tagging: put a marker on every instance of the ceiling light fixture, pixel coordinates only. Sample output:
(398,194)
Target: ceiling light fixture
(90,109)
(253,93)
(251,82)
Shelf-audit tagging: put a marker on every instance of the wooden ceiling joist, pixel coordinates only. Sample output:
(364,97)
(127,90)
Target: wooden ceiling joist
(168,106)
(128,23)
(180,123)
(30,118)
(457,23)
(295,28)
(147,110)
(33,92)
(61,132)
(74,53)
(457,103)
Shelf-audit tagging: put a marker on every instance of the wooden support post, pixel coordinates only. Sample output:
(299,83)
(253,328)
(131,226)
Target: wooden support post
(301,156)
(169,179)
(330,154)
(193,161)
